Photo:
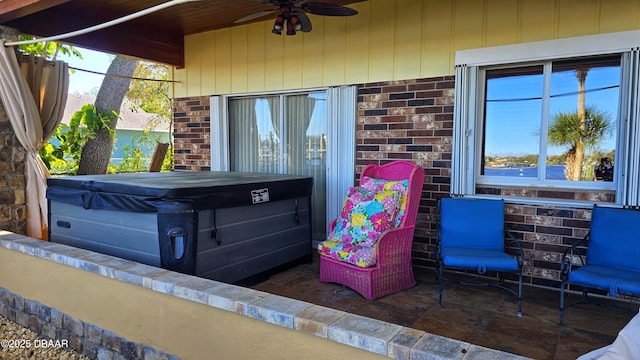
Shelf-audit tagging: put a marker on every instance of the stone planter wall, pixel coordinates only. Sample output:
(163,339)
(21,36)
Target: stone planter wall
(84,338)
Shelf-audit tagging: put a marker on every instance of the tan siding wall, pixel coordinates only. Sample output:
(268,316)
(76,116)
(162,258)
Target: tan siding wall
(387,40)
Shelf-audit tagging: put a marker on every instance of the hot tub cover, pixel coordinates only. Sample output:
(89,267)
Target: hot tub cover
(175,191)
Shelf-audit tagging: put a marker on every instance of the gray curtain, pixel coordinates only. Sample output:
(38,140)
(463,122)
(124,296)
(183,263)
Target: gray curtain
(299,111)
(244,155)
(302,159)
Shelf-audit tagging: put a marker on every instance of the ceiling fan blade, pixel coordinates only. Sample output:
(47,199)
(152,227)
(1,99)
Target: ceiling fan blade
(318,8)
(304,21)
(256,15)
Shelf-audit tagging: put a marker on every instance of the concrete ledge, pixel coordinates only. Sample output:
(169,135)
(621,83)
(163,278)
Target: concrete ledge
(368,335)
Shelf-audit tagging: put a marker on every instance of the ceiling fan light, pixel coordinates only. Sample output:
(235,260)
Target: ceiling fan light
(295,22)
(291,30)
(278,25)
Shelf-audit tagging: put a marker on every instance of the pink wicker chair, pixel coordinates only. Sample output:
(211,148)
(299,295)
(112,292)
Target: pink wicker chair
(393,270)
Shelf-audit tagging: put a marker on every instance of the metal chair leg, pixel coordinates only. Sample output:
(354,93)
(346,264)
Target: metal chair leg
(440,284)
(520,294)
(562,284)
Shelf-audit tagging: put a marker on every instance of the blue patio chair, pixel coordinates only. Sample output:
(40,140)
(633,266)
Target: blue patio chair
(471,237)
(605,261)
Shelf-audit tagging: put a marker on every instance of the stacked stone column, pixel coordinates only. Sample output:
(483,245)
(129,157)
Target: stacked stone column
(13,209)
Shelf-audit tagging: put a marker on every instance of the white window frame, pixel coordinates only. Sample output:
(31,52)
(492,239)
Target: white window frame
(469,104)
(341,134)
(544,121)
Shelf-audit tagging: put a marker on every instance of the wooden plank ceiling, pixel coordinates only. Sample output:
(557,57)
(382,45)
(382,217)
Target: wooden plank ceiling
(157,37)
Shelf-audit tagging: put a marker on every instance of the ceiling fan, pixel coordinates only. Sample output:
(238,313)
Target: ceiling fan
(293,14)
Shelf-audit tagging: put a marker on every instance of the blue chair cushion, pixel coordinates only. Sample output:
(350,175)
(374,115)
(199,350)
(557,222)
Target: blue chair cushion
(607,278)
(614,239)
(478,259)
(472,223)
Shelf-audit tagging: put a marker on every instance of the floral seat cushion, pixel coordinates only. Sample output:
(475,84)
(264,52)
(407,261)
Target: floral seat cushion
(365,216)
(360,255)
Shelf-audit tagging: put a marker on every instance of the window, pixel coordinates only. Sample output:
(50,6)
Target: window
(308,133)
(552,115)
(551,123)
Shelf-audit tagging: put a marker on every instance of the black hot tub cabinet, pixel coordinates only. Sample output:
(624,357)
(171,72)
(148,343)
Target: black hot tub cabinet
(224,226)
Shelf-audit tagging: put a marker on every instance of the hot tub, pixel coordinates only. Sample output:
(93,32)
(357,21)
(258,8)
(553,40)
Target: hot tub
(224,226)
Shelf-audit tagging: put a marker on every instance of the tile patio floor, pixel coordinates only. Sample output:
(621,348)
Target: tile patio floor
(483,316)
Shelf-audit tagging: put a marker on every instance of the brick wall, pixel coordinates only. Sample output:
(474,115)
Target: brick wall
(545,233)
(413,120)
(410,120)
(192,135)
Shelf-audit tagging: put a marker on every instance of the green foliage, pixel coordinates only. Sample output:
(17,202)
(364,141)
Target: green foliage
(62,156)
(566,128)
(530,159)
(50,51)
(151,96)
(94,121)
(65,156)
(523,160)
(557,159)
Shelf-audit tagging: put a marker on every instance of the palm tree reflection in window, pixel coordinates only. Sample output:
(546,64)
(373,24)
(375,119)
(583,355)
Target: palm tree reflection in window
(569,129)
(584,132)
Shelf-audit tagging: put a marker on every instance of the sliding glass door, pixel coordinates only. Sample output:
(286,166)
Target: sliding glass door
(283,134)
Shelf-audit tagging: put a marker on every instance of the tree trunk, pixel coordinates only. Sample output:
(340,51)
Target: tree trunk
(570,168)
(97,151)
(581,74)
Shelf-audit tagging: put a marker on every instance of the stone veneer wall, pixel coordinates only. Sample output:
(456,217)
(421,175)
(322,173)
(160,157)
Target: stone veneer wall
(84,338)
(13,208)
(413,120)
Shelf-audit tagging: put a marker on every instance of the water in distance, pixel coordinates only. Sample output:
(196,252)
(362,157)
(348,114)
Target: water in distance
(554,172)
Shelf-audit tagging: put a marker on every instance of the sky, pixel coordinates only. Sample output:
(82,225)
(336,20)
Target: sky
(83,82)
(522,113)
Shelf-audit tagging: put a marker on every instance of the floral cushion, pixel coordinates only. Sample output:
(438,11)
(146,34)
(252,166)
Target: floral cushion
(359,255)
(402,186)
(365,216)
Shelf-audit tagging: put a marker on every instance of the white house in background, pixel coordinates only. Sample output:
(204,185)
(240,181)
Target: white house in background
(131,124)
